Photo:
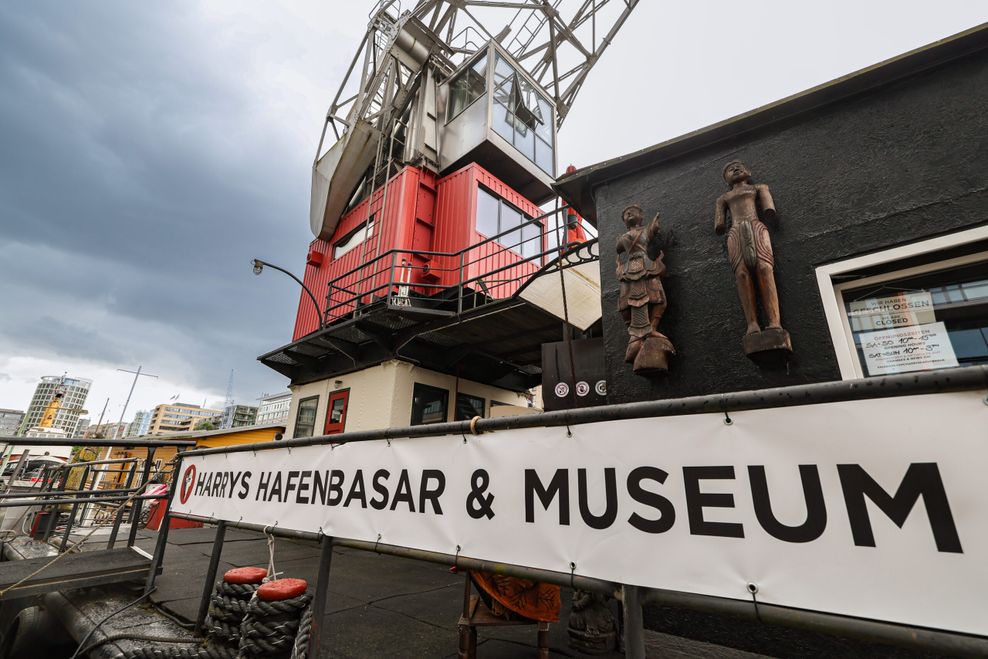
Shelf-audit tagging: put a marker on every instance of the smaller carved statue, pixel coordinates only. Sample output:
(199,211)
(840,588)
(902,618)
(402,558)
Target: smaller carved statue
(749,250)
(591,626)
(641,298)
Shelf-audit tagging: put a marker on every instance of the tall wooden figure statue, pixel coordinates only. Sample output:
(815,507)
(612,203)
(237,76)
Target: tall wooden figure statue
(641,299)
(749,249)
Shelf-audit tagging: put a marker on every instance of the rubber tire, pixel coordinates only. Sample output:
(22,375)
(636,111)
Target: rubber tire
(29,635)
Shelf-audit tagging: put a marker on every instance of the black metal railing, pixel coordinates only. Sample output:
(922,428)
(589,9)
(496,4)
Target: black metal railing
(62,497)
(449,282)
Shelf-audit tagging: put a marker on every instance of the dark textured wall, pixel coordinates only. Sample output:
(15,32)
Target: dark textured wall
(900,163)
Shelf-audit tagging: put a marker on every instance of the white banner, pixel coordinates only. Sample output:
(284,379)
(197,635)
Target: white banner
(873,508)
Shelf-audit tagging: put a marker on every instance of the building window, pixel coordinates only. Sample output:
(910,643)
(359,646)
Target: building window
(429,404)
(353,238)
(305,417)
(522,116)
(467,407)
(917,307)
(496,216)
(467,87)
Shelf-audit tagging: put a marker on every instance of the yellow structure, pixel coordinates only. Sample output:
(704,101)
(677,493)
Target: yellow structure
(203,439)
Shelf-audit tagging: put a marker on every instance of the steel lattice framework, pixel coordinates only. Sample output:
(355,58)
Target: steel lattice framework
(557,42)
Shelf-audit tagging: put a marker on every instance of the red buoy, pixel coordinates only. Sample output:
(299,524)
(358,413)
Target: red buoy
(281,589)
(245,575)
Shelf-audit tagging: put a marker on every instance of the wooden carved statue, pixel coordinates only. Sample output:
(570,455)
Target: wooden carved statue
(641,299)
(591,626)
(749,249)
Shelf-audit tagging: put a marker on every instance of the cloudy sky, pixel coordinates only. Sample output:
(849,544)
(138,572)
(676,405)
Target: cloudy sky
(148,151)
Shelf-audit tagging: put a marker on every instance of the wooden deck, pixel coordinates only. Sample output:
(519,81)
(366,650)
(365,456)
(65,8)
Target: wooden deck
(73,571)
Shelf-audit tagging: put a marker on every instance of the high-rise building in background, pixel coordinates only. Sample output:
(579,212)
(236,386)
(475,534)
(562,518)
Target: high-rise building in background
(238,416)
(10,421)
(140,425)
(178,417)
(273,408)
(57,404)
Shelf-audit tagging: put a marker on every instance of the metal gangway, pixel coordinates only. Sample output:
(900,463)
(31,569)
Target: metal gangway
(61,525)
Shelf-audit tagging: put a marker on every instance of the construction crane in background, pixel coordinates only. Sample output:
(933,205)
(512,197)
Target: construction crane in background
(55,405)
(386,112)
(228,401)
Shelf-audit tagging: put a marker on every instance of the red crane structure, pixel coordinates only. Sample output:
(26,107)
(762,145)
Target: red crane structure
(430,186)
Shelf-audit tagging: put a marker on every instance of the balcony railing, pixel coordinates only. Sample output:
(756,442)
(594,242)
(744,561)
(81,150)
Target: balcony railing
(447,283)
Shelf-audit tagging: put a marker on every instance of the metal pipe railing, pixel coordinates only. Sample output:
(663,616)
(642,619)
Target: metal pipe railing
(506,258)
(90,441)
(70,465)
(27,495)
(949,379)
(52,496)
(58,502)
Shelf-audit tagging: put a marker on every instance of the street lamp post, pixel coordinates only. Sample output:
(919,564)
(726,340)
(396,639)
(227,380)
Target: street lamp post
(259,266)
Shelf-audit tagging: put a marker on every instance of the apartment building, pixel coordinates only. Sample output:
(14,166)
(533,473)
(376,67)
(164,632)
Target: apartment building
(178,417)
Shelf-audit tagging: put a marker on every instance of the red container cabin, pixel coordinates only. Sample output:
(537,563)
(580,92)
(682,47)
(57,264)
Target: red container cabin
(468,228)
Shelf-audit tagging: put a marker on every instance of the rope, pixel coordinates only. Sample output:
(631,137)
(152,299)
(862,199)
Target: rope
(227,608)
(300,649)
(148,651)
(270,629)
(272,573)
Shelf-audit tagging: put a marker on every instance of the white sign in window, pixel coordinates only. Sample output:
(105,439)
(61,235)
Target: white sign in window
(911,348)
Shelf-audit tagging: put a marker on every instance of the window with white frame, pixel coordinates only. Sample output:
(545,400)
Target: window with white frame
(353,238)
(916,307)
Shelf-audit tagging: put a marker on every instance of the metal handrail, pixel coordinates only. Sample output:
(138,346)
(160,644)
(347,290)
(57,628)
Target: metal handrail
(71,465)
(52,501)
(494,238)
(962,378)
(93,441)
(113,497)
(362,277)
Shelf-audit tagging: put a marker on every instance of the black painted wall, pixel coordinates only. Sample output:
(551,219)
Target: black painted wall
(900,163)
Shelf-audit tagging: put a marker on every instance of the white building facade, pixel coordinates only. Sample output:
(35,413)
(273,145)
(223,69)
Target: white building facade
(273,408)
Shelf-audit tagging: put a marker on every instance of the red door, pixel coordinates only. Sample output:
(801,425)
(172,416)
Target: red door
(336,416)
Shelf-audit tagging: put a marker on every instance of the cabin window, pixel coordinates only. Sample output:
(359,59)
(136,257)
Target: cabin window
(523,116)
(429,404)
(913,308)
(467,407)
(469,85)
(353,238)
(305,417)
(496,216)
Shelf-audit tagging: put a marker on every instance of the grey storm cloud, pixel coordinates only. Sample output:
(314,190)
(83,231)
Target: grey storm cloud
(135,187)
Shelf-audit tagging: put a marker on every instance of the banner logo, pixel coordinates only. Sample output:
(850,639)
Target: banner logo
(188,481)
